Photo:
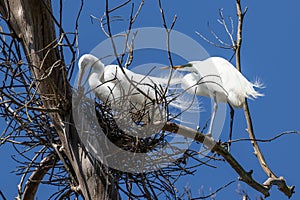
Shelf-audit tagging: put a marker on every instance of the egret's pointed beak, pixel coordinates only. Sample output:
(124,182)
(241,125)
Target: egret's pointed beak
(174,67)
(179,66)
(165,68)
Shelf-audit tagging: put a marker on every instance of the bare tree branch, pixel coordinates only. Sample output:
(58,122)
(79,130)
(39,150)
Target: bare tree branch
(32,23)
(36,177)
(267,140)
(215,192)
(216,147)
(280,182)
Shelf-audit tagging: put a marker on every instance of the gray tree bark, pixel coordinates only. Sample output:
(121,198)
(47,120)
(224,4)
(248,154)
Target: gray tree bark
(32,24)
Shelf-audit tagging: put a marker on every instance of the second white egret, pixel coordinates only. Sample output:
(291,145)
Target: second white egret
(217,78)
(119,86)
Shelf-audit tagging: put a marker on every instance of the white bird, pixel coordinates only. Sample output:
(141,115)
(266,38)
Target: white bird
(116,86)
(218,79)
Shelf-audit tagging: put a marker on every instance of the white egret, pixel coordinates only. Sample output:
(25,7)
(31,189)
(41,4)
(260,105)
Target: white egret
(218,79)
(110,84)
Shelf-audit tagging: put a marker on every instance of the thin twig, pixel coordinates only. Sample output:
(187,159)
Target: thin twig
(267,140)
(110,35)
(215,192)
(168,31)
(2,195)
(223,22)
(20,192)
(212,43)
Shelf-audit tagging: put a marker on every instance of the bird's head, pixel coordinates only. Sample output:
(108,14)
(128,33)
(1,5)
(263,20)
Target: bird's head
(89,61)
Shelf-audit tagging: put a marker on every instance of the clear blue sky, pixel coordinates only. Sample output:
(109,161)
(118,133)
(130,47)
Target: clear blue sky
(269,51)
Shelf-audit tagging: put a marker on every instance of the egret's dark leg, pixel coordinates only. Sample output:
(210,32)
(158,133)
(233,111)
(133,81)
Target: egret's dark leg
(231,125)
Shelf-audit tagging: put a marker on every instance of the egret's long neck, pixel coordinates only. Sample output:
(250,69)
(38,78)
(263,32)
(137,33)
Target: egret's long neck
(95,79)
(96,75)
(97,70)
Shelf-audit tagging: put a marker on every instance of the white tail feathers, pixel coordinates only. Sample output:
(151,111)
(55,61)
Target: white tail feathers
(252,93)
(258,83)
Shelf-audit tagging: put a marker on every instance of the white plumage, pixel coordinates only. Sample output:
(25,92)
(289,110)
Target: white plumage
(111,85)
(218,79)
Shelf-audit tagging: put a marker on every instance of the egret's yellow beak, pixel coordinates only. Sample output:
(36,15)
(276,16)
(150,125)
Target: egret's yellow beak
(179,66)
(174,67)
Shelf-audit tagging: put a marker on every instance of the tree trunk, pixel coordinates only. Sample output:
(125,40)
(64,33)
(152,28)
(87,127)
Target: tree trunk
(32,23)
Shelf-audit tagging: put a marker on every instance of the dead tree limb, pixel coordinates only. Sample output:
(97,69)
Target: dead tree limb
(273,179)
(32,23)
(217,148)
(36,177)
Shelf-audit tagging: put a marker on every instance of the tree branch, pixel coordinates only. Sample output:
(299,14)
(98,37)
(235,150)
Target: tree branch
(217,148)
(238,42)
(273,179)
(37,176)
(2,195)
(33,25)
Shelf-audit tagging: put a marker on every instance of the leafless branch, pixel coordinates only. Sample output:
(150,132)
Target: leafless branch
(27,109)
(216,147)
(212,43)
(287,190)
(267,140)
(223,22)
(168,32)
(2,195)
(36,177)
(215,192)
(111,37)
